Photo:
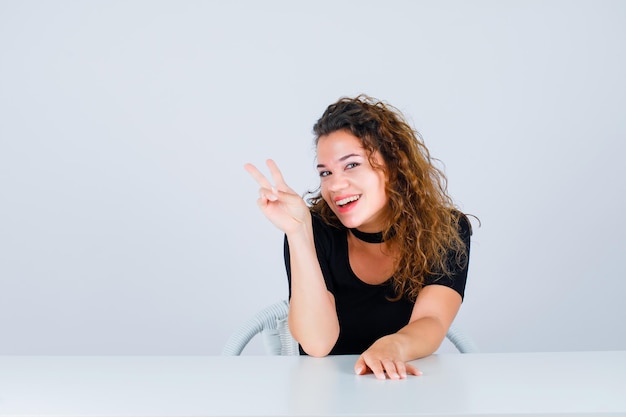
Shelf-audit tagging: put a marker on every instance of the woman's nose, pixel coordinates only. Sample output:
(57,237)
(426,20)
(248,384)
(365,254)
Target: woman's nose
(337,182)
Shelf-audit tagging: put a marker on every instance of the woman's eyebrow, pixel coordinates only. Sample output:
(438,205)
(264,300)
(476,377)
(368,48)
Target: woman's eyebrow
(343,158)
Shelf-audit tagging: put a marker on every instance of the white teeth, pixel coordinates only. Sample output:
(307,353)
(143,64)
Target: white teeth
(347,200)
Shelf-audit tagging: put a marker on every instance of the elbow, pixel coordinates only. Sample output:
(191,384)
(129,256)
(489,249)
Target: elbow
(316,340)
(317,350)
(316,346)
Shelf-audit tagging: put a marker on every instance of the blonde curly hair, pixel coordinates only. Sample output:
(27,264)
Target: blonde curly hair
(423,221)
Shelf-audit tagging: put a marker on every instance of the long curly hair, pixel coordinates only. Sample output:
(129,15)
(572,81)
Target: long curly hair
(422,221)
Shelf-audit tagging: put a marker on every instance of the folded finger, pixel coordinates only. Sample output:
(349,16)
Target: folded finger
(269,194)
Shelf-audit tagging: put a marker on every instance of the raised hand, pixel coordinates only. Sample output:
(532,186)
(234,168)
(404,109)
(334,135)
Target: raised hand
(279,203)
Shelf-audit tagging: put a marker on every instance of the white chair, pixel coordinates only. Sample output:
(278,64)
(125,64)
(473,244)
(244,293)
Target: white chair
(271,322)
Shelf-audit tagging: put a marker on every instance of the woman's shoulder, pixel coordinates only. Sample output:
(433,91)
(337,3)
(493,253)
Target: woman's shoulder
(463,223)
(461,220)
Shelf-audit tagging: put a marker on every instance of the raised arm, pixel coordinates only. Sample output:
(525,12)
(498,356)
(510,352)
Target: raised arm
(312,316)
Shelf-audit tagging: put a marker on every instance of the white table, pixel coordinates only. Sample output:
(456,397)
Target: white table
(520,384)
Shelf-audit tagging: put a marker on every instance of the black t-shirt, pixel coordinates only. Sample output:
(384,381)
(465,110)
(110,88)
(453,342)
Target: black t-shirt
(364,311)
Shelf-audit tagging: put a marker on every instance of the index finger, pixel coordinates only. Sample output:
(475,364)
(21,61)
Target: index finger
(258,176)
(377,368)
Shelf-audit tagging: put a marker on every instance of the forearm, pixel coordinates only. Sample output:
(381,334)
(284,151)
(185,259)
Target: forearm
(419,338)
(312,316)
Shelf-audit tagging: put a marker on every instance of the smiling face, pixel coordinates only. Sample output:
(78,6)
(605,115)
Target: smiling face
(351,187)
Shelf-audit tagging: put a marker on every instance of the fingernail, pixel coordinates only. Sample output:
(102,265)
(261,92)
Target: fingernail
(358,370)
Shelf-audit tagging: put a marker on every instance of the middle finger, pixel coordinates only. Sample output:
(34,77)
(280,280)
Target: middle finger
(390,368)
(277,176)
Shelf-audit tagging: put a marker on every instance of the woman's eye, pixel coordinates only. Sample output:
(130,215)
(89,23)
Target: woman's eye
(352,165)
(324,173)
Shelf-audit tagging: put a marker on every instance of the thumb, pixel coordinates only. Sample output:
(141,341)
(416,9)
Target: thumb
(360,367)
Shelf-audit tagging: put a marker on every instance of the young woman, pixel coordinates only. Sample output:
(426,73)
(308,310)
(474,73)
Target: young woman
(377,261)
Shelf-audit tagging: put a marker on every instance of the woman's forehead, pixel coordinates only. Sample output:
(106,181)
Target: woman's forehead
(337,144)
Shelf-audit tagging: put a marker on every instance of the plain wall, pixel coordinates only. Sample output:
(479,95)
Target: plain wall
(129,226)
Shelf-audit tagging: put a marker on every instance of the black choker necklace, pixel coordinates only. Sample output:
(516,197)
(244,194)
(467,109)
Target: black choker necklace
(368,237)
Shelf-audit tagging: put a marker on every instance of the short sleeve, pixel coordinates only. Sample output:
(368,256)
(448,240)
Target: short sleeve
(458,278)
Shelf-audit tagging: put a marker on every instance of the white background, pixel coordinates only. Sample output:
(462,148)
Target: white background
(127,222)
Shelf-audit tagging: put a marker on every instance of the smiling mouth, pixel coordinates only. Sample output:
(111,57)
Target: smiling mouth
(348,200)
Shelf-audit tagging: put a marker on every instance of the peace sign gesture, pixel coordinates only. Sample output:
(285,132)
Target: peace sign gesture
(279,203)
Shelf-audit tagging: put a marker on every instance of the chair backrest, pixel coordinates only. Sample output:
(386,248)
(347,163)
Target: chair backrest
(271,322)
